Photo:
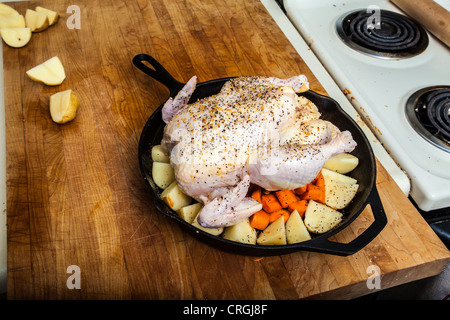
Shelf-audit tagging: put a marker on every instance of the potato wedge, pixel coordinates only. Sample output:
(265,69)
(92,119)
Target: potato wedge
(16,37)
(339,194)
(339,189)
(158,155)
(63,106)
(7,11)
(329,174)
(51,15)
(188,213)
(241,232)
(50,72)
(274,234)
(162,174)
(295,229)
(320,218)
(213,231)
(13,22)
(342,163)
(174,197)
(36,21)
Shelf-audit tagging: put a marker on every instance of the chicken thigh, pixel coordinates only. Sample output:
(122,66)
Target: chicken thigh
(256,130)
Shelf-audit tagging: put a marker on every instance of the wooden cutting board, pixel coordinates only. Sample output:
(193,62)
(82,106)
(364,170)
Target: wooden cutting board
(75,196)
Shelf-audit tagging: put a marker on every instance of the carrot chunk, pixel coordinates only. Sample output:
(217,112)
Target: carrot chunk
(260,220)
(276,214)
(301,190)
(300,206)
(314,193)
(285,197)
(257,195)
(270,203)
(320,181)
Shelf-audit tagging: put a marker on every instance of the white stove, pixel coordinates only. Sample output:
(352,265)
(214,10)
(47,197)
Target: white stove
(379,86)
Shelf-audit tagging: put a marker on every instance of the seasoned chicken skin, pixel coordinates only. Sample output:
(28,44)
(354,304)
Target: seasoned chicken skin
(256,130)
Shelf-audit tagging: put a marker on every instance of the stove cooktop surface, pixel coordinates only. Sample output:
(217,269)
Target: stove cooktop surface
(386,35)
(428,111)
(380,86)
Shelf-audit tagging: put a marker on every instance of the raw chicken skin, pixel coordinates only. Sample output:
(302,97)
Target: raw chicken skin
(256,130)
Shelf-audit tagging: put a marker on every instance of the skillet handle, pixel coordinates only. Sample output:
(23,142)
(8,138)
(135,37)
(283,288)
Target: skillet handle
(159,73)
(345,249)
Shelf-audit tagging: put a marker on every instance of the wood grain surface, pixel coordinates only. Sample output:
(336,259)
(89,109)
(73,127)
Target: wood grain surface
(75,195)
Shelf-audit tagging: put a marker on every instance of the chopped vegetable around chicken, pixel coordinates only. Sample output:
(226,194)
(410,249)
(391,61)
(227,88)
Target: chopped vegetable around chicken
(286,217)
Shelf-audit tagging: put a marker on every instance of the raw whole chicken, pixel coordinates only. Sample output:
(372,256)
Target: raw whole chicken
(256,130)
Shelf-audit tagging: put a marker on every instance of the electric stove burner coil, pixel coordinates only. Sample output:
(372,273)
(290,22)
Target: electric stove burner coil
(391,36)
(428,111)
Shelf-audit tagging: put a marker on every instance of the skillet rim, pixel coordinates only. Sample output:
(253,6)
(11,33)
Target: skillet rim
(318,243)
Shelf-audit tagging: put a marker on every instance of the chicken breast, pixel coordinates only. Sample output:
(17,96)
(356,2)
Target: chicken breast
(256,130)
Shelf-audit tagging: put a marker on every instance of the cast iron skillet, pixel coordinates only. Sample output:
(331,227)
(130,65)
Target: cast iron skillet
(365,173)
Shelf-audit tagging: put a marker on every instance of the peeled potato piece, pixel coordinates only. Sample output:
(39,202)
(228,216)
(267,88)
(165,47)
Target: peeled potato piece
(342,163)
(274,234)
(213,231)
(329,174)
(241,232)
(36,21)
(339,194)
(190,212)
(13,22)
(320,218)
(158,155)
(162,174)
(51,15)
(50,72)
(63,106)
(16,37)
(174,197)
(295,229)
(7,11)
